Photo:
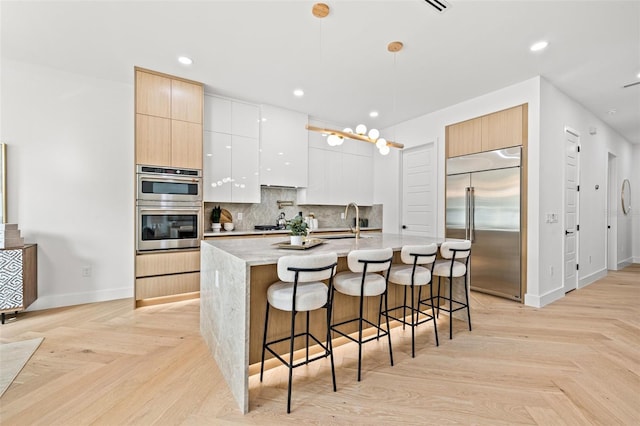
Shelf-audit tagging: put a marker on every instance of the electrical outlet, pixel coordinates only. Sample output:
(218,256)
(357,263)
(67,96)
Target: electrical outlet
(85,271)
(342,216)
(239,216)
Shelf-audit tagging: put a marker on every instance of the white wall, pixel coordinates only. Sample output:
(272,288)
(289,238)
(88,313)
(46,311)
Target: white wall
(549,111)
(70,179)
(558,110)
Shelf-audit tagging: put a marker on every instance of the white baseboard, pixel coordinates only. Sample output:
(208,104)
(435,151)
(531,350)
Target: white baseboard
(591,278)
(636,260)
(545,299)
(624,263)
(70,299)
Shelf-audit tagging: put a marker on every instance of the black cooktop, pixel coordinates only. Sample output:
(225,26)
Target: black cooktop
(267,227)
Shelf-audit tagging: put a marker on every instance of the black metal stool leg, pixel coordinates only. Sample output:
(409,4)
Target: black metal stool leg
(307,336)
(466,293)
(386,310)
(438,314)
(433,313)
(293,332)
(413,323)
(450,307)
(360,335)
(264,341)
(404,308)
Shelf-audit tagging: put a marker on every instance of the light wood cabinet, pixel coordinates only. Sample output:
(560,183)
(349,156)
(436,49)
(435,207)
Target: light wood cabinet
(153,94)
(502,129)
(153,140)
(168,121)
(186,101)
(167,274)
(464,138)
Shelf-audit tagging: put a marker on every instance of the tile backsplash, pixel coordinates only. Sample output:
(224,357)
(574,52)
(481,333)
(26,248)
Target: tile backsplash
(267,212)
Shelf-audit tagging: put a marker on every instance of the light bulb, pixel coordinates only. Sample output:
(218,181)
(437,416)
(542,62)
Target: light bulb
(384,150)
(333,140)
(374,133)
(381,143)
(348,130)
(361,129)
(340,140)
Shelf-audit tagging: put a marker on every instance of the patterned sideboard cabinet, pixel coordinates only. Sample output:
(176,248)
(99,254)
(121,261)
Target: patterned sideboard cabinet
(18,278)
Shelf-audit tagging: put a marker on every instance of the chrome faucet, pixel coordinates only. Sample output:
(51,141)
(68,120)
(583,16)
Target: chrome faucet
(346,210)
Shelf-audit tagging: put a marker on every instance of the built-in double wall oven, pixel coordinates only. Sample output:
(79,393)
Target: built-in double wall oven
(168,208)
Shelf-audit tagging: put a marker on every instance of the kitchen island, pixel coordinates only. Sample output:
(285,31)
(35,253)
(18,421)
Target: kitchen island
(234,277)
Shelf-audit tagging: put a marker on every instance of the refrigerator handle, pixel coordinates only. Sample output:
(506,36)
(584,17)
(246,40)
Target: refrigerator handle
(472,213)
(467,215)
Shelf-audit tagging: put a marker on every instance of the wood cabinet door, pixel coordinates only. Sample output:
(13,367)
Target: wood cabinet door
(464,138)
(153,94)
(186,101)
(186,144)
(153,140)
(502,129)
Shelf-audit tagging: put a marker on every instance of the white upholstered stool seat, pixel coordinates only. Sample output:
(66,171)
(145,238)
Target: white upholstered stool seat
(310,296)
(350,283)
(401,274)
(415,271)
(362,281)
(301,289)
(442,268)
(455,264)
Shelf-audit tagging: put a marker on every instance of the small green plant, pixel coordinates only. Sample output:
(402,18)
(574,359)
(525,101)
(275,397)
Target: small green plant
(215,214)
(297,226)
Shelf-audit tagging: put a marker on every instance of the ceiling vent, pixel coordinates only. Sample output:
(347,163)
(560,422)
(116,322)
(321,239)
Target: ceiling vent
(440,6)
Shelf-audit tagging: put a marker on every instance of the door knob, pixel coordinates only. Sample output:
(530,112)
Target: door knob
(568,232)
(404,226)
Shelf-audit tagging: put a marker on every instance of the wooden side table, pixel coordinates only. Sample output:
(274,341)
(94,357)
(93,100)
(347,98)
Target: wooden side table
(18,278)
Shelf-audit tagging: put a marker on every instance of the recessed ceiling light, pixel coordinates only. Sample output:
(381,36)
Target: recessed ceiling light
(373,114)
(185,60)
(638,75)
(299,93)
(535,47)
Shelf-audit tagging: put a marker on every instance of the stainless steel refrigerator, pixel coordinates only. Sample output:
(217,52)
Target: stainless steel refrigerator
(483,205)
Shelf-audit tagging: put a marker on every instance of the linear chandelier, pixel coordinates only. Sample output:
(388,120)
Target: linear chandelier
(336,137)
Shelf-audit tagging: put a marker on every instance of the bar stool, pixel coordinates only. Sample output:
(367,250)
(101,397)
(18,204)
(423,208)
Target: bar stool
(455,263)
(411,275)
(301,289)
(364,281)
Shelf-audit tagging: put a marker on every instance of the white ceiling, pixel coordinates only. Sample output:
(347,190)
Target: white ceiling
(260,51)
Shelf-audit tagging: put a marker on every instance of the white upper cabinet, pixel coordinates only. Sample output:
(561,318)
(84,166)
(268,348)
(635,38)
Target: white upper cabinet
(338,174)
(283,148)
(231,151)
(245,120)
(217,114)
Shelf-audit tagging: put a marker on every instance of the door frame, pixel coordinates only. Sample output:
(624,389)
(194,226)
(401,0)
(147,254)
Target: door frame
(612,213)
(435,183)
(569,130)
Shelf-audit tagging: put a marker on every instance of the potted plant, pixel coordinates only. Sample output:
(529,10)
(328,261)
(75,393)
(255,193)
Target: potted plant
(298,228)
(215,218)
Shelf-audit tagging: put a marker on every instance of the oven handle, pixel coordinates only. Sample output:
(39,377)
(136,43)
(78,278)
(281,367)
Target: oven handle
(172,179)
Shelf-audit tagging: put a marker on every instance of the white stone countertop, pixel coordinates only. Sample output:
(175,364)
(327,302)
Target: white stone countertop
(241,232)
(262,251)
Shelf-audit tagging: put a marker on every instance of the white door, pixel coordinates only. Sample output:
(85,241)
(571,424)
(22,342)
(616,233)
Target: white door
(571,203)
(419,190)
(612,214)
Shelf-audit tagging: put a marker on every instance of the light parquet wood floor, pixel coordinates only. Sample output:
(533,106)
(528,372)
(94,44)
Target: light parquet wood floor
(574,362)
